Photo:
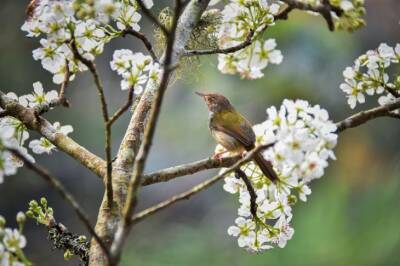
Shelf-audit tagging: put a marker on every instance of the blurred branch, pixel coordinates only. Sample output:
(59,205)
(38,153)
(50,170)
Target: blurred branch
(152,17)
(323,9)
(33,121)
(364,116)
(52,181)
(107,132)
(200,187)
(144,39)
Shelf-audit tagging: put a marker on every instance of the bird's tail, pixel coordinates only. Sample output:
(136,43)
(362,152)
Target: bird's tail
(266,167)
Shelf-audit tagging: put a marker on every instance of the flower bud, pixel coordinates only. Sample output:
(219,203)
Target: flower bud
(43,201)
(33,204)
(21,217)
(68,255)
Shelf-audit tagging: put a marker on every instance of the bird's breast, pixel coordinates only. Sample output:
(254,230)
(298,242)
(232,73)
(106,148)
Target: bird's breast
(228,142)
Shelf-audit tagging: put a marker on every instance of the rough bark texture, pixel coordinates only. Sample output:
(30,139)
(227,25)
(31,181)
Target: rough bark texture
(108,219)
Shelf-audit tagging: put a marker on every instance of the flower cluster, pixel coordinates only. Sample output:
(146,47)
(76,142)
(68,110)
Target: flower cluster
(304,139)
(67,24)
(13,133)
(369,76)
(352,17)
(135,68)
(12,242)
(239,19)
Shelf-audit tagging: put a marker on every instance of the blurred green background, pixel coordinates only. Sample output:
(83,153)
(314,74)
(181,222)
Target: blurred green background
(352,216)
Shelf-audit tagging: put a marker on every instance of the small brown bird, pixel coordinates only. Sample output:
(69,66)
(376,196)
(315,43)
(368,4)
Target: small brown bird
(233,131)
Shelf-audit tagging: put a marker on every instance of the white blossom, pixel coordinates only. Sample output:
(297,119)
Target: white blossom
(13,240)
(369,75)
(304,138)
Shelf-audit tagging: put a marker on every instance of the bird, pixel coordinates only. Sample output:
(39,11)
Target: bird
(233,131)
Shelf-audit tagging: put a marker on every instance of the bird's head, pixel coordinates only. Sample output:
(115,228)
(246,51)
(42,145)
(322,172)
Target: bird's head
(215,102)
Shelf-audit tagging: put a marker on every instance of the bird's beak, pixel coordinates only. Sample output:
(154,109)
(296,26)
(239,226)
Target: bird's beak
(201,94)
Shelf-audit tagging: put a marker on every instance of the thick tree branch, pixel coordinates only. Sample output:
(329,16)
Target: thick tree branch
(188,169)
(140,161)
(32,121)
(52,181)
(198,188)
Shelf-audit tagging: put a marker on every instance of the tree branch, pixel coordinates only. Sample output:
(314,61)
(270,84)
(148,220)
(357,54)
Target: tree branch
(170,173)
(198,188)
(228,50)
(151,17)
(56,184)
(32,121)
(144,39)
(107,132)
(188,169)
(123,109)
(364,116)
(323,9)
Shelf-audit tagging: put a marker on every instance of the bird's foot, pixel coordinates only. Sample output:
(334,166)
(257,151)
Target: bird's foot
(218,155)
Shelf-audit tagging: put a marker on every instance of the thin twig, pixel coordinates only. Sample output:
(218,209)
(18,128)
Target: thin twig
(239,173)
(200,187)
(107,132)
(153,18)
(56,184)
(228,50)
(123,109)
(145,41)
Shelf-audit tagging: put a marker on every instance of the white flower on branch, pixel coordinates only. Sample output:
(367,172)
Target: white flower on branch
(38,96)
(240,18)
(13,240)
(128,17)
(135,68)
(304,139)
(43,145)
(369,75)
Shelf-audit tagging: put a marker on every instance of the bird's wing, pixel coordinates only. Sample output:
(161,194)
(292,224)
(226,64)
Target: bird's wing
(236,126)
